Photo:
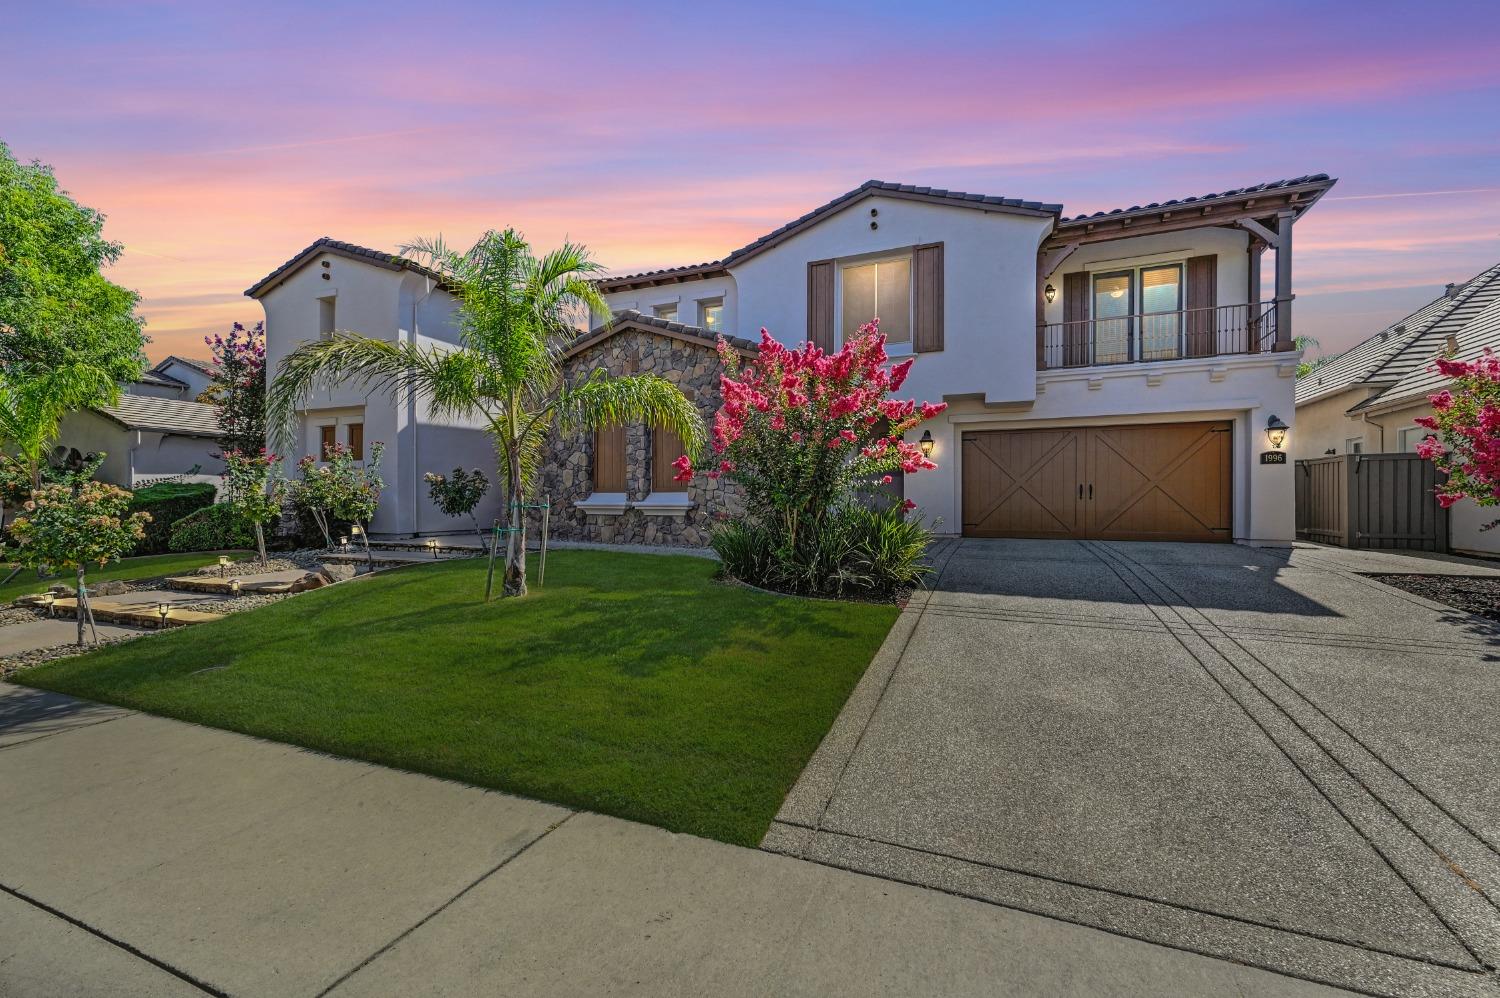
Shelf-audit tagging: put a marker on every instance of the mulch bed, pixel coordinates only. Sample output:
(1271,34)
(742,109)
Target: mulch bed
(1476,594)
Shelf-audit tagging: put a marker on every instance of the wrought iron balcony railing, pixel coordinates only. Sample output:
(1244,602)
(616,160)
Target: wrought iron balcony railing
(1153,336)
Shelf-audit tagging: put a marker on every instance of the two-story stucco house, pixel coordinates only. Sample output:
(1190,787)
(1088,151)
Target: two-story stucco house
(1109,376)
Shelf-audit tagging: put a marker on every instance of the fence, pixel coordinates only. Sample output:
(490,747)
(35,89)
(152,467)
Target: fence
(1371,501)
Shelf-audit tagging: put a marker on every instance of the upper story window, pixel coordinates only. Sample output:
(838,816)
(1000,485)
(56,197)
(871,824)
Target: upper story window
(881,288)
(666,311)
(326,318)
(711,314)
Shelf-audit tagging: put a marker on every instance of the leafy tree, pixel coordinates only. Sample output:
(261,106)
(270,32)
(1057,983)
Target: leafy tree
(254,490)
(58,314)
(515,315)
(69,524)
(1465,442)
(1308,365)
(238,389)
(458,494)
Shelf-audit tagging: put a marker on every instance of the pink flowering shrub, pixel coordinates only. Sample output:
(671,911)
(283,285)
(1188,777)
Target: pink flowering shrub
(1466,431)
(809,436)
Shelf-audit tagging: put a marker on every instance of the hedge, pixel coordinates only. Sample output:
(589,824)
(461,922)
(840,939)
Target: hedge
(168,502)
(211,529)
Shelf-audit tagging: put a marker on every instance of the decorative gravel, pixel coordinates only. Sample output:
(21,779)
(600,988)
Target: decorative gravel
(1476,594)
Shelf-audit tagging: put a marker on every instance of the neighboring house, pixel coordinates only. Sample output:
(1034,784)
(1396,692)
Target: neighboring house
(147,438)
(174,378)
(1364,400)
(1109,375)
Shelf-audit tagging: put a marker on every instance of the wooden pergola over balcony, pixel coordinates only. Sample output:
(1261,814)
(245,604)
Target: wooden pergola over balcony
(1267,212)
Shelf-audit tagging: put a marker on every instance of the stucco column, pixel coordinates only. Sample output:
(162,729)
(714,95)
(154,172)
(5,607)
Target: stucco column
(1284,339)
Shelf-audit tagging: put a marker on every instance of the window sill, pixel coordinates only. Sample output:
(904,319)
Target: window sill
(665,504)
(604,504)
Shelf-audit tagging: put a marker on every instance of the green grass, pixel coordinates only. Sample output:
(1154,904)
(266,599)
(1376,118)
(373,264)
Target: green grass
(634,685)
(149,566)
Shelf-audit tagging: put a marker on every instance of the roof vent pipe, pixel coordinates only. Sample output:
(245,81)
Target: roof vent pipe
(1450,290)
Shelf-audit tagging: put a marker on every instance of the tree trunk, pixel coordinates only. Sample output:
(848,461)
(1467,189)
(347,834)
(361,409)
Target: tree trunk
(81,604)
(322,522)
(260,545)
(364,535)
(515,565)
(478,532)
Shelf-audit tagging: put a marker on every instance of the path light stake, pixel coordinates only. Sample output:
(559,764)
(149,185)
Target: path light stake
(364,536)
(344,545)
(432,545)
(49,599)
(163,609)
(223,565)
(234,587)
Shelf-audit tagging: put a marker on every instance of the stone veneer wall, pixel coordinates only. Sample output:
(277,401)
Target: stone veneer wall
(567,470)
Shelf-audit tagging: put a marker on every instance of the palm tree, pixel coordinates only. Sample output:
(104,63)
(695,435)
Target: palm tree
(515,320)
(33,406)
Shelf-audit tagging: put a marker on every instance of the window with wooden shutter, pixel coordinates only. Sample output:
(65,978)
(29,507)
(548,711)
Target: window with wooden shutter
(1075,319)
(1202,299)
(666,447)
(357,441)
(326,440)
(609,459)
(820,304)
(927,298)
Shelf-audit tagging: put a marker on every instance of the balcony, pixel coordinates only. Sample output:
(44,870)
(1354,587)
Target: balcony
(1156,336)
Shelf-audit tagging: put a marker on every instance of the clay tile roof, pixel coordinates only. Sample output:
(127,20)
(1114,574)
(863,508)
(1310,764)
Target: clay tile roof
(204,367)
(627,317)
(870,188)
(147,412)
(338,248)
(1270,185)
(155,377)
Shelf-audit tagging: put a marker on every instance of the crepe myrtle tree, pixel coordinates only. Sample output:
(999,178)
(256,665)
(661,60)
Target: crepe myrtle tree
(238,389)
(516,316)
(74,523)
(458,494)
(1465,442)
(255,490)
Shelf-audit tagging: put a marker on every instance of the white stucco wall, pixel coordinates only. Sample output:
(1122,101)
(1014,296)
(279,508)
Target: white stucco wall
(1246,390)
(195,379)
(989,289)
(133,457)
(398,306)
(688,297)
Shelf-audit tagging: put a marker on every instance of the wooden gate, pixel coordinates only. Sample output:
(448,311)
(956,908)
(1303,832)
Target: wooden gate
(1371,501)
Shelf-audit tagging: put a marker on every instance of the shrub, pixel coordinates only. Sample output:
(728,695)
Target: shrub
(168,502)
(1465,442)
(813,440)
(212,528)
(457,495)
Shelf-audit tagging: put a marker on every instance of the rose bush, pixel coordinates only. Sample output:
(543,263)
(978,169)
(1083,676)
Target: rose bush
(457,495)
(1465,441)
(813,439)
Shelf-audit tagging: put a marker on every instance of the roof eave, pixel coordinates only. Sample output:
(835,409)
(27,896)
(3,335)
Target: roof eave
(283,273)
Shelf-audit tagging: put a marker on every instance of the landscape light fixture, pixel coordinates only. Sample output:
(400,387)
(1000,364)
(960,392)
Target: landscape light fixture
(223,565)
(927,443)
(49,598)
(432,545)
(234,587)
(1276,431)
(344,544)
(1050,293)
(356,530)
(163,609)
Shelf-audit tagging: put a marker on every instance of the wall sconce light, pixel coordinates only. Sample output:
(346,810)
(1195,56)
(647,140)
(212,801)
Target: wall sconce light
(1276,431)
(927,443)
(164,610)
(1050,293)
(432,545)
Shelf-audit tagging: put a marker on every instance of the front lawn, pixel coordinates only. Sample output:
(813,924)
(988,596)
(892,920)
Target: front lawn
(630,684)
(149,566)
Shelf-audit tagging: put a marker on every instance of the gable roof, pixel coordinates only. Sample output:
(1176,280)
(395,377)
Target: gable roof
(1269,186)
(335,247)
(868,189)
(203,367)
(148,412)
(152,376)
(1396,358)
(629,318)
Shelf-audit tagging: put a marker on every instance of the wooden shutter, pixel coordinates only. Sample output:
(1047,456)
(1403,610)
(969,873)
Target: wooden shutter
(666,447)
(1075,319)
(357,441)
(927,298)
(326,440)
(820,304)
(609,459)
(1202,293)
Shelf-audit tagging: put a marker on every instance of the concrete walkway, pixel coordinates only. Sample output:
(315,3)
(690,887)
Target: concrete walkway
(144,856)
(1256,754)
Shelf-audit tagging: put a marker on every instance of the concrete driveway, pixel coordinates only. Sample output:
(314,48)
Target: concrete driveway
(1261,755)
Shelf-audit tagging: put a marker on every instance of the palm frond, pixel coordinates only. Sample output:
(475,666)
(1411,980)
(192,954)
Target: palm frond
(450,380)
(600,400)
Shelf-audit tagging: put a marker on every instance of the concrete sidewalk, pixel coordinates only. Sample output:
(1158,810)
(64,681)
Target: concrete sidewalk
(145,856)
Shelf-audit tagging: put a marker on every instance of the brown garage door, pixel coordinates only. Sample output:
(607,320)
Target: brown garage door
(1165,481)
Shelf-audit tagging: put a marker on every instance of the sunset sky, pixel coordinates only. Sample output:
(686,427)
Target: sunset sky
(221,139)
